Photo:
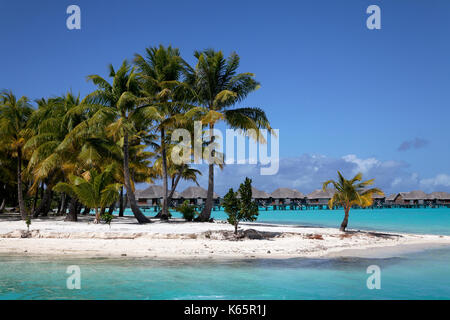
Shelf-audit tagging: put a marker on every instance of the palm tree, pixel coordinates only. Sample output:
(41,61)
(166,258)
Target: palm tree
(93,189)
(349,193)
(118,112)
(52,121)
(7,176)
(14,116)
(217,87)
(159,73)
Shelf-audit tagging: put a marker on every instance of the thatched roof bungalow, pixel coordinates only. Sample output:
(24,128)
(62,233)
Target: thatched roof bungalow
(319,197)
(286,195)
(196,195)
(439,197)
(391,198)
(410,198)
(153,195)
(378,199)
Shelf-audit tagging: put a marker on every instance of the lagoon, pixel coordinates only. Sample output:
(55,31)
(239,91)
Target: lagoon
(423,275)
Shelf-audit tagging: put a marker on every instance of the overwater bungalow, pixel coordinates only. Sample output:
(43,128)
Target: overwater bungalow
(286,196)
(439,198)
(197,196)
(319,197)
(417,197)
(390,199)
(378,200)
(153,196)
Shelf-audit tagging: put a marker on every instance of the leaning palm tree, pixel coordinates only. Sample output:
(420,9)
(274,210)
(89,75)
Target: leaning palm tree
(349,193)
(93,189)
(116,111)
(216,88)
(14,116)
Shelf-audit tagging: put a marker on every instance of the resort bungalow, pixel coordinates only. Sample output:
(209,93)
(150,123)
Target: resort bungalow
(319,197)
(439,198)
(286,196)
(390,199)
(197,196)
(153,196)
(410,198)
(378,200)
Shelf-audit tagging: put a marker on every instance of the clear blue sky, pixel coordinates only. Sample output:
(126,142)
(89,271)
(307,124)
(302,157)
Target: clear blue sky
(330,85)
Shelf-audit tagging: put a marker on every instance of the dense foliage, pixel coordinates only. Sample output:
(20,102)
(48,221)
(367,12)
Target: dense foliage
(70,155)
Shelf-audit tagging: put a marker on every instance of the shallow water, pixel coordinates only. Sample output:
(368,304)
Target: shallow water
(423,275)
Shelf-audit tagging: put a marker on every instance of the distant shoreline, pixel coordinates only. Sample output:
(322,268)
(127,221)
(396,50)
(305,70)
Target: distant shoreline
(187,240)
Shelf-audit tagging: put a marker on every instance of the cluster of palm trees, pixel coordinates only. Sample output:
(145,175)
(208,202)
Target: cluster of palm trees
(88,153)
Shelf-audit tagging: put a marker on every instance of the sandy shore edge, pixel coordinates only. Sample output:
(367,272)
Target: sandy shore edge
(184,240)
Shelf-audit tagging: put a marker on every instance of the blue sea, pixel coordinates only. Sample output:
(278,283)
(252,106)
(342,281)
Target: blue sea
(422,221)
(413,275)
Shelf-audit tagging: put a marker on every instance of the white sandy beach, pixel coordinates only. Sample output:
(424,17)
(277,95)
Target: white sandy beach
(184,240)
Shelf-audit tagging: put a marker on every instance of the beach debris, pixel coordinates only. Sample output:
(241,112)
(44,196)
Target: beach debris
(314,236)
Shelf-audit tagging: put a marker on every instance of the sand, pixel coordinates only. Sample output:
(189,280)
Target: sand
(188,240)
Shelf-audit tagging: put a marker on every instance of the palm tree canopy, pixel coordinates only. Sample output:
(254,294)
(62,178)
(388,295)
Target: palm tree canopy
(14,116)
(93,189)
(351,192)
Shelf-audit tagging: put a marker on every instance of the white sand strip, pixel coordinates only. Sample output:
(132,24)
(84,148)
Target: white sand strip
(184,240)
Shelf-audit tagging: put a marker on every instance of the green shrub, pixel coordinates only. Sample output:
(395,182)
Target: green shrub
(243,209)
(107,217)
(187,211)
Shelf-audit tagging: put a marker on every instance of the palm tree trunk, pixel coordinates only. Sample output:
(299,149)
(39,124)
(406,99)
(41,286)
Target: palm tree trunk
(174,187)
(165,212)
(23,212)
(33,208)
(130,194)
(61,203)
(111,208)
(65,203)
(122,205)
(43,207)
(97,216)
(345,221)
(72,214)
(48,202)
(205,215)
(2,206)
(169,197)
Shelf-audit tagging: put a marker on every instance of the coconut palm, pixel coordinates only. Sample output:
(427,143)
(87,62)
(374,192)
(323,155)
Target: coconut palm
(14,116)
(93,189)
(159,72)
(349,193)
(117,112)
(52,121)
(217,87)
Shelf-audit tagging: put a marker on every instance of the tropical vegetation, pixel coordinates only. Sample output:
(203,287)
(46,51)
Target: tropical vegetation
(350,193)
(71,155)
(239,206)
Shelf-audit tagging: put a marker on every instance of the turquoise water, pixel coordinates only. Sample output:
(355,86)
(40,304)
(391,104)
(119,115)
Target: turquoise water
(425,221)
(423,275)
(420,275)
